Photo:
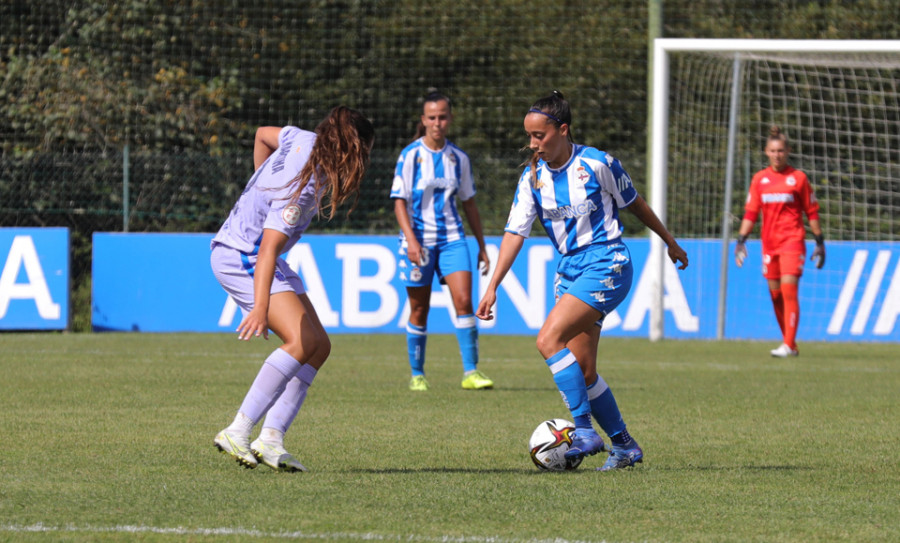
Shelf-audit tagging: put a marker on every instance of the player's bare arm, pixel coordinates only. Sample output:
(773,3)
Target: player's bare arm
(264,144)
(509,250)
(413,248)
(256,322)
(474,218)
(642,211)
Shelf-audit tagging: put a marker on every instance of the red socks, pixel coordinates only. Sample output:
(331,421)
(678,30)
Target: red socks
(791,314)
(778,304)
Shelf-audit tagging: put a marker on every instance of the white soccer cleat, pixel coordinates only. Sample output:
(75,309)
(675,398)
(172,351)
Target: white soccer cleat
(783,351)
(237,447)
(274,456)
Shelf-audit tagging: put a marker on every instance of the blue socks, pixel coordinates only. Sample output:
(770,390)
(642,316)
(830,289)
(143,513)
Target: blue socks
(467,336)
(584,401)
(605,409)
(570,381)
(416,336)
(621,439)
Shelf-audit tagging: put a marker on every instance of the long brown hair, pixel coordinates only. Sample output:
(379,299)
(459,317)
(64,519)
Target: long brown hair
(339,157)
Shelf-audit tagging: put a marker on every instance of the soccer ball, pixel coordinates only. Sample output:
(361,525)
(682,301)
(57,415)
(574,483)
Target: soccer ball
(549,443)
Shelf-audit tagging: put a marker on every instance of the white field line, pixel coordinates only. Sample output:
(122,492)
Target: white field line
(243,532)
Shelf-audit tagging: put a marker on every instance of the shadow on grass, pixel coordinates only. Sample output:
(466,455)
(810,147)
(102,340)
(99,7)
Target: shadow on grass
(736,468)
(474,471)
(498,390)
(527,471)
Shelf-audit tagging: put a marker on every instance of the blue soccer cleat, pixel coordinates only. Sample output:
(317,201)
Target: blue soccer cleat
(623,456)
(585,443)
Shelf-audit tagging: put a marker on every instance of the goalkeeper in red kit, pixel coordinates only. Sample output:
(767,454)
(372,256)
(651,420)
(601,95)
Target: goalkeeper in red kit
(783,194)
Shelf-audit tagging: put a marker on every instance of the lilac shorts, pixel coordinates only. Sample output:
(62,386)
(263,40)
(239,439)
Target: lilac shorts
(234,270)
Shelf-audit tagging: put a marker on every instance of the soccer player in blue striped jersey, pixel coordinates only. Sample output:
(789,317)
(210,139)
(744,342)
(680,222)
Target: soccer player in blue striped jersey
(431,172)
(575,192)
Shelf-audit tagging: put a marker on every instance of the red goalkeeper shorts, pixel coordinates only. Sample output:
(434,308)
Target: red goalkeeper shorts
(777,265)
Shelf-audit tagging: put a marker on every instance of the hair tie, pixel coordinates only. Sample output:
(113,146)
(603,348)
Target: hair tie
(535,110)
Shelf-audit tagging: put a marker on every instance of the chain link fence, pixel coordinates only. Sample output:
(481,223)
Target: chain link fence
(141,116)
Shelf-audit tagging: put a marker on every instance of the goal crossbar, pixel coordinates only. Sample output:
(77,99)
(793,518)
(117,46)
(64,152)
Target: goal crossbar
(662,48)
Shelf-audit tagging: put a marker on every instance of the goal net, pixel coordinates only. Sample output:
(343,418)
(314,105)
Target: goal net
(837,101)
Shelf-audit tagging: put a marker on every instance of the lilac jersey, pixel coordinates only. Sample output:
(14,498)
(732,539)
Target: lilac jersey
(429,182)
(577,204)
(266,201)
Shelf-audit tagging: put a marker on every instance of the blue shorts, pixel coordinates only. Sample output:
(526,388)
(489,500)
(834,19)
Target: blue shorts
(441,259)
(599,275)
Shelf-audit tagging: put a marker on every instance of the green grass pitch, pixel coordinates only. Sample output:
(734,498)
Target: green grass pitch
(108,437)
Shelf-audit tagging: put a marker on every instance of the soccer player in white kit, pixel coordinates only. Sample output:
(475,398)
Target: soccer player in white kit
(295,170)
(430,173)
(575,192)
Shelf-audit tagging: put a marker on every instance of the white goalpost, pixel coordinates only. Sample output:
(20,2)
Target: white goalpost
(712,103)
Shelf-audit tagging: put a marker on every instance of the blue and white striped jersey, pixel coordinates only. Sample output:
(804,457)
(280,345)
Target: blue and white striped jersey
(266,202)
(577,204)
(429,181)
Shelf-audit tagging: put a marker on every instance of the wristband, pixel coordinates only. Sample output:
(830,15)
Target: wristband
(820,239)
(743,239)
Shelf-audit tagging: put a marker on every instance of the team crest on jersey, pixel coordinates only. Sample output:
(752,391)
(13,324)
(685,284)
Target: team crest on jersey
(291,214)
(791,181)
(452,159)
(415,274)
(582,175)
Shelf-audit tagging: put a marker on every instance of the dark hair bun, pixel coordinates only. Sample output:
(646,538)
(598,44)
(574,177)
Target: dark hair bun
(558,94)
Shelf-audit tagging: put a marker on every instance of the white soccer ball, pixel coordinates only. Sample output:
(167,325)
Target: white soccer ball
(549,443)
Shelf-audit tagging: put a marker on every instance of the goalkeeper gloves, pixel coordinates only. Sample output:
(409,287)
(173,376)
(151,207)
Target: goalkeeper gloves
(740,251)
(819,252)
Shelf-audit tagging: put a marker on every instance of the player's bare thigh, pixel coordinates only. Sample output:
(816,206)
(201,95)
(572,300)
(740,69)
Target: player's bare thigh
(294,319)
(460,285)
(568,318)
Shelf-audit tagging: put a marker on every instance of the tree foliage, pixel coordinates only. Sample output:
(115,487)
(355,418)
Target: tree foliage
(184,84)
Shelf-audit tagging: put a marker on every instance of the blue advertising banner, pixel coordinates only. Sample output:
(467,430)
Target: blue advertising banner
(34,278)
(854,297)
(163,282)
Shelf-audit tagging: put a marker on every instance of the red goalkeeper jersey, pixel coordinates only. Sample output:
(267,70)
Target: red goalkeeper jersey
(782,197)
